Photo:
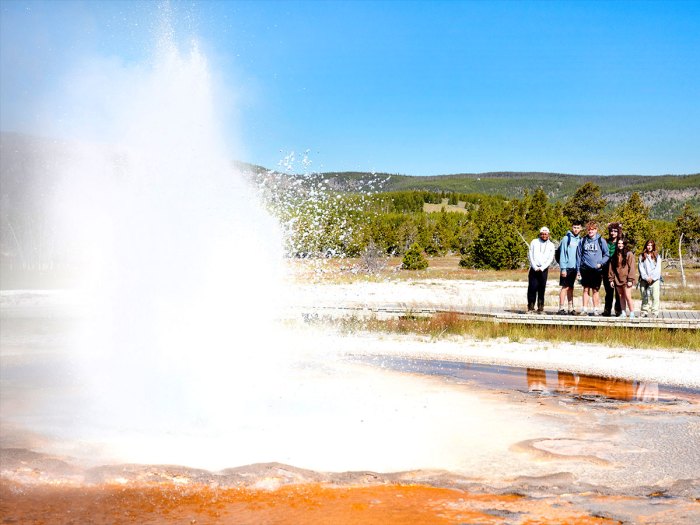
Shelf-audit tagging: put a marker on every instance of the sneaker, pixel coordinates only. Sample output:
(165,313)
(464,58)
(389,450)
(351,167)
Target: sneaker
(622,315)
(644,314)
(530,312)
(595,313)
(606,313)
(572,312)
(561,311)
(631,315)
(656,315)
(540,312)
(584,312)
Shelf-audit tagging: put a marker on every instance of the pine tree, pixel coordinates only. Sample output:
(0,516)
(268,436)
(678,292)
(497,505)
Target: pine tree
(498,246)
(536,216)
(556,221)
(688,224)
(584,205)
(634,216)
(414,259)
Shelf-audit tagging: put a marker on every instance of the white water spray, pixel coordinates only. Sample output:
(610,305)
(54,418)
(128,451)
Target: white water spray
(181,361)
(180,264)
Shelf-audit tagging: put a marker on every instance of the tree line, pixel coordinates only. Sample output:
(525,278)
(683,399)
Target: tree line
(491,232)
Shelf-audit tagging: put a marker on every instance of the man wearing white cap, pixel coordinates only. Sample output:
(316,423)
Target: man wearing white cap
(541,256)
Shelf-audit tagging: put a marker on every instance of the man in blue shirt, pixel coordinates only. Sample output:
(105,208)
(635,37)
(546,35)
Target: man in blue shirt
(567,266)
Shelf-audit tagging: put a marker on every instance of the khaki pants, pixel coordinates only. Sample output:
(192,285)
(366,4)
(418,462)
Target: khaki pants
(650,296)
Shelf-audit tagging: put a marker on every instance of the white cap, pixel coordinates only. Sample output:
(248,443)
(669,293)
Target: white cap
(544,229)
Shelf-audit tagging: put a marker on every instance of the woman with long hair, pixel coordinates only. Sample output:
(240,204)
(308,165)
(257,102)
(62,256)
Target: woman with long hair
(622,275)
(650,279)
(614,233)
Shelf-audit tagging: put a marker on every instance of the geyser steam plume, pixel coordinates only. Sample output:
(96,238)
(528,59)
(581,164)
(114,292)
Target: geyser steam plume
(180,263)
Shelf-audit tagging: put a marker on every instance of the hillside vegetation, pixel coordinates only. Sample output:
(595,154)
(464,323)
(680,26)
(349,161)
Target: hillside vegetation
(665,194)
(486,219)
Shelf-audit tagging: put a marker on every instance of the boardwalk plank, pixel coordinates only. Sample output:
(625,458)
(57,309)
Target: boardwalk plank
(675,319)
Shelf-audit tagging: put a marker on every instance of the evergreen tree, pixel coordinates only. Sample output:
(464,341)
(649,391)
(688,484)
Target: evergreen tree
(424,229)
(585,204)
(498,246)
(536,216)
(688,224)
(556,221)
(444,234)
(634,216)
(414,259)
(407,234)
(662,232)
(514,212)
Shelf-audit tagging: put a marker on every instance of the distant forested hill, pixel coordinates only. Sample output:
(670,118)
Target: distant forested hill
(24,168)
(666,194)
(28,165)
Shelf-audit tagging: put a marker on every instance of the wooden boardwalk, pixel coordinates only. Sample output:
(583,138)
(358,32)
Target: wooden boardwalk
(671,319)
(668,319)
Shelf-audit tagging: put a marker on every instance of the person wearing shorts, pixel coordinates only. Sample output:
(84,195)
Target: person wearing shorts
(567,268)
(591,278)
(591,256)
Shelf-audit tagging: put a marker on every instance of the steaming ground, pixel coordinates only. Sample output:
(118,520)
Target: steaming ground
(413,293)
(311,403)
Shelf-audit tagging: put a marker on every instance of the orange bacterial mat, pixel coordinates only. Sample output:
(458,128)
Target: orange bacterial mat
(198,504)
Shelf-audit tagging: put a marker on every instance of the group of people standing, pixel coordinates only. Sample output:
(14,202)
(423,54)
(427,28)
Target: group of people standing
(592,260)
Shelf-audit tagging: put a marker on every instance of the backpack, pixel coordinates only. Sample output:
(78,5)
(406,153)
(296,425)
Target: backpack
(557,251)
(600,244)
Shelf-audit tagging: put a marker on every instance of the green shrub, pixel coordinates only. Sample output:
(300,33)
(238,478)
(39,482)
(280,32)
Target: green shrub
(498,247)
(414,259)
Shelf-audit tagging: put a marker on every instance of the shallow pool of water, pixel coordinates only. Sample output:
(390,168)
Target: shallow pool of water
(584,387)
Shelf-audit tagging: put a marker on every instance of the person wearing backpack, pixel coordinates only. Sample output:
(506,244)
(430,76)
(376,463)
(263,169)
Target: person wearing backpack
(567,265)
(650,279)
(614,233)
(541,256)
(591,256)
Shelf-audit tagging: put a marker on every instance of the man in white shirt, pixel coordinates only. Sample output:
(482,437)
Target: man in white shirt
(541,256)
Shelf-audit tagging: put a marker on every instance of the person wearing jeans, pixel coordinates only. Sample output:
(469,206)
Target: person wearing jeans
(614,233)
(650,279)
(622,274)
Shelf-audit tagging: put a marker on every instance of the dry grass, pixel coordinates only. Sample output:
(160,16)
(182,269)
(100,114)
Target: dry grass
(444,324)
(437,208)
(351,269)
(672,289)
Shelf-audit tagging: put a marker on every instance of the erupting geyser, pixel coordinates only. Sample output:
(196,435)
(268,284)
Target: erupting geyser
(179,264)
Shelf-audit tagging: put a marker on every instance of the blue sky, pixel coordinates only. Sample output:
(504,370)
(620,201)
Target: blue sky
(419,88)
